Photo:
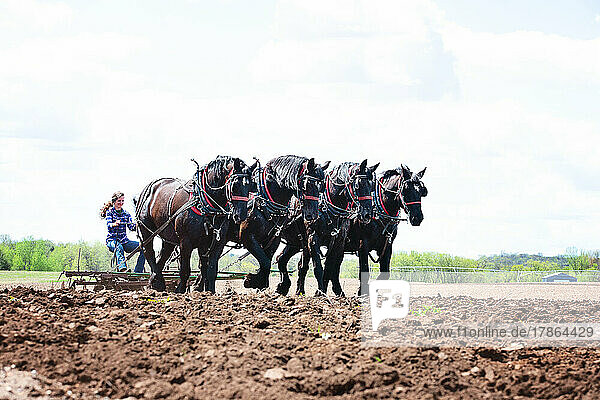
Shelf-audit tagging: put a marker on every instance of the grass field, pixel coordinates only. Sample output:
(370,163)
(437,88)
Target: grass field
(30,277)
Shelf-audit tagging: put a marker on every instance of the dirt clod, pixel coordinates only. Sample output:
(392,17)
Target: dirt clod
(117,345)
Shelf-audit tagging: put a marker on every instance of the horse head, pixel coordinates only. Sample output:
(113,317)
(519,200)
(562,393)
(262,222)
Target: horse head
(310,186)
(238,186)
(411,189)
(361,187)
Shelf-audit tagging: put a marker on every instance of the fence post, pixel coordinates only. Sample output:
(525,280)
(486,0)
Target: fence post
(78,258)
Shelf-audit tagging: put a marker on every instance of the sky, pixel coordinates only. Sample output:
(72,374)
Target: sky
(499,100)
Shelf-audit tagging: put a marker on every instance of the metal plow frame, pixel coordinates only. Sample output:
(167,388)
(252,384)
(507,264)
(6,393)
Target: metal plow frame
(100,280)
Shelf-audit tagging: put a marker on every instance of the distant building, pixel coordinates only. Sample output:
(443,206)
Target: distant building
(559,277)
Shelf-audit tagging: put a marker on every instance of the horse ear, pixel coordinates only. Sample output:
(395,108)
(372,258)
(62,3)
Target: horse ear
(310,165)
(373,167)
(420,174)
(406,174)
(253,166)
(325,165)
(363,165)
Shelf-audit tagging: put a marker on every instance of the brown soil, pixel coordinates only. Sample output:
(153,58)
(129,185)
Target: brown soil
(147,345)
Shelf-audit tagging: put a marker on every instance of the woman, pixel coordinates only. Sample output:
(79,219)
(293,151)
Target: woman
(118,220)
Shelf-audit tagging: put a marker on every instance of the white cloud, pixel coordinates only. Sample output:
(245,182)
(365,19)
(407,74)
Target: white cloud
(392,81)
(66,59)
(362,42)
(32,14)
(524,55)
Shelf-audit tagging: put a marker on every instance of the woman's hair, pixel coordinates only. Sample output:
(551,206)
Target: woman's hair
(109,204)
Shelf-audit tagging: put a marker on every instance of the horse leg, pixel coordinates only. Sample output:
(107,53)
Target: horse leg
(212,267)
(384,263)
(282,262)
(200,284)
(157,282)
(315,255)
(165,252)
(185,249)
(302,271)
(333,262)
(363,261)
(259,280)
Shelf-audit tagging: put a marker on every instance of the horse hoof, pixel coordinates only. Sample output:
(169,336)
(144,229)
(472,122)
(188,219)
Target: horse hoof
(250,281)
(158,283)
(320,293)
(180,289)
(283,288)
(255,281)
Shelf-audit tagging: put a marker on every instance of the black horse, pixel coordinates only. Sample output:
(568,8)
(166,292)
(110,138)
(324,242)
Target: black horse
(398,189)
(347,196)
(221,191)
(270,212)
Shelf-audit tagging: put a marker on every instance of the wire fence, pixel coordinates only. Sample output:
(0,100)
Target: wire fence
(431,274)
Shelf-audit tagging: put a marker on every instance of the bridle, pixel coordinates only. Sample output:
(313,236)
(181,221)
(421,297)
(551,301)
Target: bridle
(303,177)
(276,208)
(398,193)
(207,203)
(380,209)
(354,203)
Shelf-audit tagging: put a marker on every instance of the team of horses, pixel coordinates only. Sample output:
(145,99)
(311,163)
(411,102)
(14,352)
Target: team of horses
(346,208)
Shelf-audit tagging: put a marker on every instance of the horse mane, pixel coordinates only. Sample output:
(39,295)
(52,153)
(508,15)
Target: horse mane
(218,167)
(388,174)
(285,170)
(340,174)
(398,171)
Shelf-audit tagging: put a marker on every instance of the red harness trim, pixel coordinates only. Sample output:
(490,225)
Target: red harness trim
(194,209)
(365,198)
(306,197)
(381,200)
(239,198)
(402,197)
(327,189)
(265,184)
(204,189)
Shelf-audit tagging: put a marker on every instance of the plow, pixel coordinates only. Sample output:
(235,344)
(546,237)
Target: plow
(100,280)
(112,280)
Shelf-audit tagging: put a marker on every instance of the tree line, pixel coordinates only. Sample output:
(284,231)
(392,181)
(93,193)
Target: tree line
(31,254)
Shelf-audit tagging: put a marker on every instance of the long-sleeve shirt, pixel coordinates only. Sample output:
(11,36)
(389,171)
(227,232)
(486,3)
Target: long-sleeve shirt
(119,232)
